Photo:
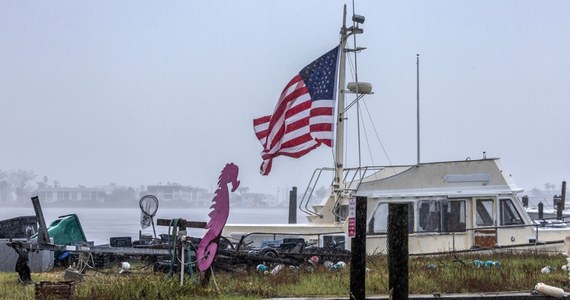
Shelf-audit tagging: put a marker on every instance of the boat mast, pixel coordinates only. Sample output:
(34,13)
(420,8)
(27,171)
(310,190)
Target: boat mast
(360,89)
(339,141)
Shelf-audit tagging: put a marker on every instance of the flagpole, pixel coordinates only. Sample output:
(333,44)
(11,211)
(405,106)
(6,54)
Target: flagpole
(339,142)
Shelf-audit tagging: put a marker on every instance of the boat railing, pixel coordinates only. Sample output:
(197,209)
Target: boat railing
(352,178)
(307,196)
(240,242)
(536,241)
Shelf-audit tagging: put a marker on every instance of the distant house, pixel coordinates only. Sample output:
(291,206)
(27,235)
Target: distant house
(68,194)
(253,200)
(180,193)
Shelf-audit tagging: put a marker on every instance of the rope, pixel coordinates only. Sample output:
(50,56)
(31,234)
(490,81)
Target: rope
(214,280)
(83,262)
(377,135)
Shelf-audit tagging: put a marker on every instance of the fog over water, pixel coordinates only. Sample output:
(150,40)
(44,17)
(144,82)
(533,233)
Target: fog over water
(100,224)
(142,92)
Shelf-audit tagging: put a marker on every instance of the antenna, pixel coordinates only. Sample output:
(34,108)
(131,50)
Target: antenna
(418,104)
(356,18)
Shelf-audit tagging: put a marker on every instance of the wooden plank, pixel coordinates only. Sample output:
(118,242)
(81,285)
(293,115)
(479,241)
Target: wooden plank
(181,223)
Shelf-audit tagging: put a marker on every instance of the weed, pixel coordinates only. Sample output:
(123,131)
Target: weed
(427,275)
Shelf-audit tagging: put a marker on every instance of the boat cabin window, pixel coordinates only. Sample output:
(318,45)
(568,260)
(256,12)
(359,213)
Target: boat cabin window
(484,209)
(379,222)
(441,215)
(453,216)
(509,214)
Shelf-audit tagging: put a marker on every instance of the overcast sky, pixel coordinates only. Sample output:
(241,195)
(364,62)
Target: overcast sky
(142,92)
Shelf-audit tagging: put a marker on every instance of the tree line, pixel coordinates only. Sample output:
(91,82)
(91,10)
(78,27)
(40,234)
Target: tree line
(17,185)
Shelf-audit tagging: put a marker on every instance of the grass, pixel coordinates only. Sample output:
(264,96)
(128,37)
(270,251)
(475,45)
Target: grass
(518,272)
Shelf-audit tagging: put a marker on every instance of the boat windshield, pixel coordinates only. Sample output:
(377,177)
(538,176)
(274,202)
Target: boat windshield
(485,212)
(379,222)
(441,215)
(509,214)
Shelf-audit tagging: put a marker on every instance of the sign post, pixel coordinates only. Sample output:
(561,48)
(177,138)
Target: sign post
(357,213)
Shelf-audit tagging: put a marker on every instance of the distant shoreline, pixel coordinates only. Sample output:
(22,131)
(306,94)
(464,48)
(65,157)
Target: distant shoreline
(136,206)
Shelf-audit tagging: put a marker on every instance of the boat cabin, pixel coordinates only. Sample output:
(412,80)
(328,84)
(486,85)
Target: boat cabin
(452,206)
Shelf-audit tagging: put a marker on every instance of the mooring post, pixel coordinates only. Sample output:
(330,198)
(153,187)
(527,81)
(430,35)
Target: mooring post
(563,195)
(540,210)
(293,205)
(358,253)
(398,251)
(525,201)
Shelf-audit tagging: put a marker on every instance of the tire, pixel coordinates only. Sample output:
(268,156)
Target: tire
(269,252)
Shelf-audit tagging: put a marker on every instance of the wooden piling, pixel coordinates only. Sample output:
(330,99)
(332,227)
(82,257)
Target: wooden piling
(358,252)
(293,206)
(563,195)
(398,251)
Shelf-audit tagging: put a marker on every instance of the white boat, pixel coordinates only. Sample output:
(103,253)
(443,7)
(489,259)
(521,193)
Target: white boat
(453,206)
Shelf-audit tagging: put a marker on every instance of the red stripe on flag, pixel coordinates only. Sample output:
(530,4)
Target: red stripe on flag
(297,126)
(322,111)
(321,127)
(297,141)
(261,120)
(298,108)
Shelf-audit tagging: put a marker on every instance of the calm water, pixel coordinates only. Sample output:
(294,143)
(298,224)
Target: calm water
(99,224)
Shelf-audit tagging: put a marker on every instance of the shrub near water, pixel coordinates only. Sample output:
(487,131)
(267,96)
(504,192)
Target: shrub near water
(427,275)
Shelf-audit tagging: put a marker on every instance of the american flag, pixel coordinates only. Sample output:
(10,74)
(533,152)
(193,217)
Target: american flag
(303,118)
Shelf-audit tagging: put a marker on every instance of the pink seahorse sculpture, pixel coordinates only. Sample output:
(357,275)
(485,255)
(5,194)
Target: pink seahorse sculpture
(218,217)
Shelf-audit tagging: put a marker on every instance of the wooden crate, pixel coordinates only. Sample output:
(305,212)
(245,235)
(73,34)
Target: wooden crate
(55,290)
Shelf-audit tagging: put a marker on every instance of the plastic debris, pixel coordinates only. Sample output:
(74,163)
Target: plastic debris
(314,260)
(338,266)
(261,268)
(549,290)
(125,267)
(431,267)
(565,268)
(486,264)
(328,264)
(64,255)
(277,269)
(547,270)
